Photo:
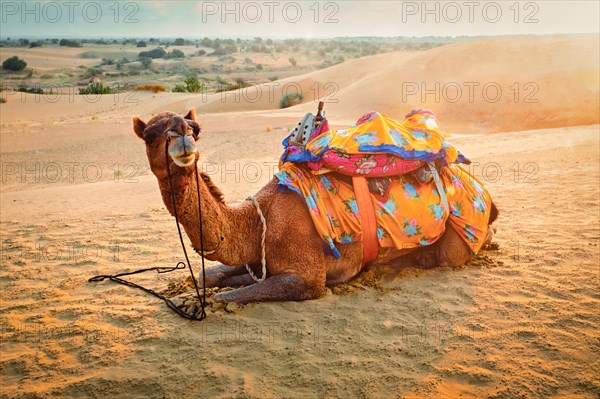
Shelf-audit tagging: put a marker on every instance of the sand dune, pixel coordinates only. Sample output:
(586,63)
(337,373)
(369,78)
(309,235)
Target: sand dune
(500,84)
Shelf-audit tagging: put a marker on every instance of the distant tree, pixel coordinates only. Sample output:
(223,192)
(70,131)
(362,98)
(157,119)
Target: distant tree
(155,53)
(35,44)
(175,53)
(206,42)
(14,64)
(24,42)
(54,41)
(69,43)
(146,61)
(269,42)
(293,61)
(179,42)
(141,43)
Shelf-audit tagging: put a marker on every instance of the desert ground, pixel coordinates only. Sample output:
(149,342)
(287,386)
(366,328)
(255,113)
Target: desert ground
(78,199)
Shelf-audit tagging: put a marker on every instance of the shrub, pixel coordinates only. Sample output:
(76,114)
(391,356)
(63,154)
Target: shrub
(32,90)
(155,53)
(273,78)
(141,43)
(154,87)
(14,64)
(146,61)
(193,85)
(289,100)
(293,61)
(201,52)
(2,100)
(69,43)
(175,53)
(179,89)
(35,44)
(179,42)
(92,72)
(96,88)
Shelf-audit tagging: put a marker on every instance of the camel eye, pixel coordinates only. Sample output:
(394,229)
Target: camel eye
(194,127)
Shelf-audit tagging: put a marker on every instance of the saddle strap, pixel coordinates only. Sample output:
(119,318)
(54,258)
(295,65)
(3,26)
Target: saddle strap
(367,218)
(439,186)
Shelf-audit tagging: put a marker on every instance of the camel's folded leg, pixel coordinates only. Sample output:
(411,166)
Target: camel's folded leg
(281,287)
(220,276)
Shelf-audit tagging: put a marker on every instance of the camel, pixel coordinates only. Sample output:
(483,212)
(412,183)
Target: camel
(297,267)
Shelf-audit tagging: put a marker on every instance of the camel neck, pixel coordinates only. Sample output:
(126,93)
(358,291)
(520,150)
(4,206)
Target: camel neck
(232,232)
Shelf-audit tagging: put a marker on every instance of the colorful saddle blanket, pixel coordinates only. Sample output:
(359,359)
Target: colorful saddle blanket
(412,212)
(376,146)
(412,216)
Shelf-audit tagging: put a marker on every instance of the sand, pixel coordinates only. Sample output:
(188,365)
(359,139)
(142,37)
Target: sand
(521,321)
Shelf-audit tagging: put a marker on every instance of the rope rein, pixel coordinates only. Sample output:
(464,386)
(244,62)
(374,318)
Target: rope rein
(180,265)
(263,247)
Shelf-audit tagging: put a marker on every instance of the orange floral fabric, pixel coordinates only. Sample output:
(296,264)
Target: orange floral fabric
(412,216)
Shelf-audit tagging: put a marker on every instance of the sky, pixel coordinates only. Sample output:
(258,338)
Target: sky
(294,19)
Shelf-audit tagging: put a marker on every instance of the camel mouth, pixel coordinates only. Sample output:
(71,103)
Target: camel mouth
(185,161)
(183,150)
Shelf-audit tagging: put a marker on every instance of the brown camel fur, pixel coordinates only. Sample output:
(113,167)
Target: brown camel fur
(297,267)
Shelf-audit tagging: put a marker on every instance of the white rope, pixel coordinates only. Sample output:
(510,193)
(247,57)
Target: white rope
(263,255)
(440,186)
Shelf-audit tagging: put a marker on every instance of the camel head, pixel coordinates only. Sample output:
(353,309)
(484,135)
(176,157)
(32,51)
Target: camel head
(178,133)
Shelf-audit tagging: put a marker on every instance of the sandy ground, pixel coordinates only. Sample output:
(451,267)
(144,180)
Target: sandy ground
(77,200)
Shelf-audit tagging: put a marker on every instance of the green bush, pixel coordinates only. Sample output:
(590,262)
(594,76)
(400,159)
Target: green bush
(14,64)
(289,100)
(193,85)
(96,88)
(32,90)
(179,89)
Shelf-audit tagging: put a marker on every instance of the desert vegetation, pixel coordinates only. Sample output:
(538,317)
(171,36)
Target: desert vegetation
(216,64)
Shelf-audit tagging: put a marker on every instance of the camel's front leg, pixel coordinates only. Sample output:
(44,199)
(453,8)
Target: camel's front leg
(225,276)
(281,287)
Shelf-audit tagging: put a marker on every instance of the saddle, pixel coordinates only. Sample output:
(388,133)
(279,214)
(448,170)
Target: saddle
(370,155)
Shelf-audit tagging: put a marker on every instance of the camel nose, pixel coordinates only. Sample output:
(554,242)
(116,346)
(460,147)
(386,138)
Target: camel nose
(189,144)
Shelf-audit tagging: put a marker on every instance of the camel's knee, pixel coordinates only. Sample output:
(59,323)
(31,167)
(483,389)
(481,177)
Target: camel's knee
(452,250)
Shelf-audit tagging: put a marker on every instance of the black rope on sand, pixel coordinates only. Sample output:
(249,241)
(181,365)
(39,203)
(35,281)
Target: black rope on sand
(180,265)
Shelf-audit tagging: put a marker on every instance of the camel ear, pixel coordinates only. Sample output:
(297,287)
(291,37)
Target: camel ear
(191,115)
(138,127)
